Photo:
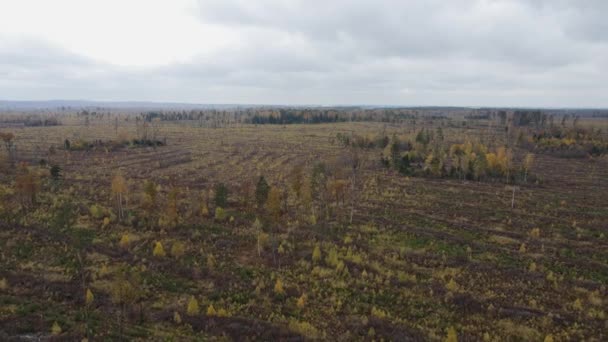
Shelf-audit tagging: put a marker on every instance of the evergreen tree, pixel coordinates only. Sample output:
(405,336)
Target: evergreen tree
(261,192)
(55,172)
(221,195)
(395,155)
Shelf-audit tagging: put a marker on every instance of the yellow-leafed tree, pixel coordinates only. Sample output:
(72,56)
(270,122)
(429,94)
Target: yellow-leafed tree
(452,336)
(316,254)
(301,301)
(528,161)
(193,308)
(278,287)
(273,204)
(158,251)
(125,241)
(211,311)
(56,328)
(88,298)
(119,191)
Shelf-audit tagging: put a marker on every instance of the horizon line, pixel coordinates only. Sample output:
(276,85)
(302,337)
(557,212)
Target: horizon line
(193,104)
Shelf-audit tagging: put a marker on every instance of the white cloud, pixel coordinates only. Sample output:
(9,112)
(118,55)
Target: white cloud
(133,32)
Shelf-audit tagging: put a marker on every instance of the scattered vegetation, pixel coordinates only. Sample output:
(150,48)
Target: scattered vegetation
(341,224)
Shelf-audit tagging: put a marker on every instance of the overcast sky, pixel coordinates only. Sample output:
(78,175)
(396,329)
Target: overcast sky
(381,52)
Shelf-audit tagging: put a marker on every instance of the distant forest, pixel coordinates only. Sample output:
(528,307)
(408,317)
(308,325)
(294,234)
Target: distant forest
(279,115)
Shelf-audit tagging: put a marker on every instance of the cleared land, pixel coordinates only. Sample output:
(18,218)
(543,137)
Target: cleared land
(424,257)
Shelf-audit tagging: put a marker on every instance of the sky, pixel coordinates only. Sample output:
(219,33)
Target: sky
(534,53)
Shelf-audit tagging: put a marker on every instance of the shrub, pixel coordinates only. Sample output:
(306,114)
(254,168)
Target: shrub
(97,211)
(204,210)
(522,248)
(159,251)
(341,268)
(332,258)
(210,262)
(88,298)
(220,214)
(452,285)
(125,240)
(273,203)
(56,329)
(125,289)
(594,298)
(177,318)
(452,336)
(379,312)
(178,249)
(316,254)
(577,305)
(305,329)
(535,233)
(211,311)
(301,301)
(192,309)
(278,287)
(263,239)
(65,214)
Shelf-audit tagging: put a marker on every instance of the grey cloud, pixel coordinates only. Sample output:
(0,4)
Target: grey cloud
(536,53)
(524,31)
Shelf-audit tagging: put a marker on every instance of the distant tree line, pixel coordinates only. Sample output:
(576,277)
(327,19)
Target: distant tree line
(315,116)
(529,117)
(568,142)
(30,121)
(110,145)
(283,116)
(293,117)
